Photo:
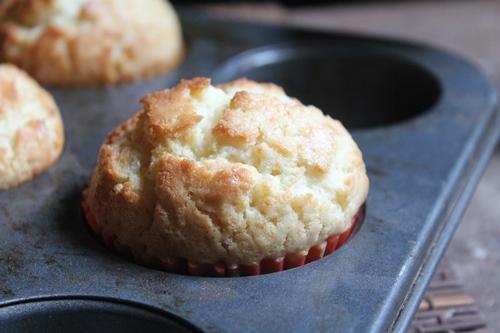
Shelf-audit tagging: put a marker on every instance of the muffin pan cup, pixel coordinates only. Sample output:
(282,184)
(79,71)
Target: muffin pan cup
(426,122)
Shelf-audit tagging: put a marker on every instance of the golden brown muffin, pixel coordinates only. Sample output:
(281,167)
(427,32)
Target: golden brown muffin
(78,43)
(231,174)
(31,135)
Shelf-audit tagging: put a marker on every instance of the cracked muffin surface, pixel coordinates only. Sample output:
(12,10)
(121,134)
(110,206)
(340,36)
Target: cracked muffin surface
(79,43)
(31,128)
(234,173)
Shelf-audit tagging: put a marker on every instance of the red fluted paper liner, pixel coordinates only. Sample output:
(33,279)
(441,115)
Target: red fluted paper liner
(219,269)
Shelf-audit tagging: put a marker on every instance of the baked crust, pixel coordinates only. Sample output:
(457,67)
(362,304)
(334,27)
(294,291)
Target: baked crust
(78,43)
(32,135)
(235,173)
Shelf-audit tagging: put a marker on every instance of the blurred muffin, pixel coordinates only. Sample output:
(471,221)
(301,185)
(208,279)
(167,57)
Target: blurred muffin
(78,43)
(238,179)
(31,136)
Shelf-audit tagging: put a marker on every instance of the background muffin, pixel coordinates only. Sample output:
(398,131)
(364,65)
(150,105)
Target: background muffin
(31,135)
(229,175)
(91,42)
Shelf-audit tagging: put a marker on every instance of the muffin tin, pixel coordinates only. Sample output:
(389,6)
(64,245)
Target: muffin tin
(426,121)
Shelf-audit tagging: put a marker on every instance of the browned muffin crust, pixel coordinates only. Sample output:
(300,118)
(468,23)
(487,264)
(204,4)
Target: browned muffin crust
(235,174)
(31,136)
(78,43)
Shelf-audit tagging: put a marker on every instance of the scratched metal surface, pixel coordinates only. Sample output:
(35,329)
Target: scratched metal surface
(425,120)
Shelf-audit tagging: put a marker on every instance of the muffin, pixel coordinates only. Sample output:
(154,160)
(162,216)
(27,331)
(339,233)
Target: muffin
(32,135)
(82,43)
(227,180)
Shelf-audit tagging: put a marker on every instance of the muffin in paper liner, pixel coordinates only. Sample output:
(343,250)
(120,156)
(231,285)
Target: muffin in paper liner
(235,179)
(184,267)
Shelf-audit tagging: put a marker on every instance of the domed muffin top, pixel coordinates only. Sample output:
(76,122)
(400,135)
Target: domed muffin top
(235,173)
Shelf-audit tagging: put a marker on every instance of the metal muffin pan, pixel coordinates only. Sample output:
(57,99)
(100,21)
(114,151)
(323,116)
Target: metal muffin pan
(426,121)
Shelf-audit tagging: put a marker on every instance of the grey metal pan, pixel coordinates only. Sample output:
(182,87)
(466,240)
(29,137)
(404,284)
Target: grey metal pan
(426,121)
